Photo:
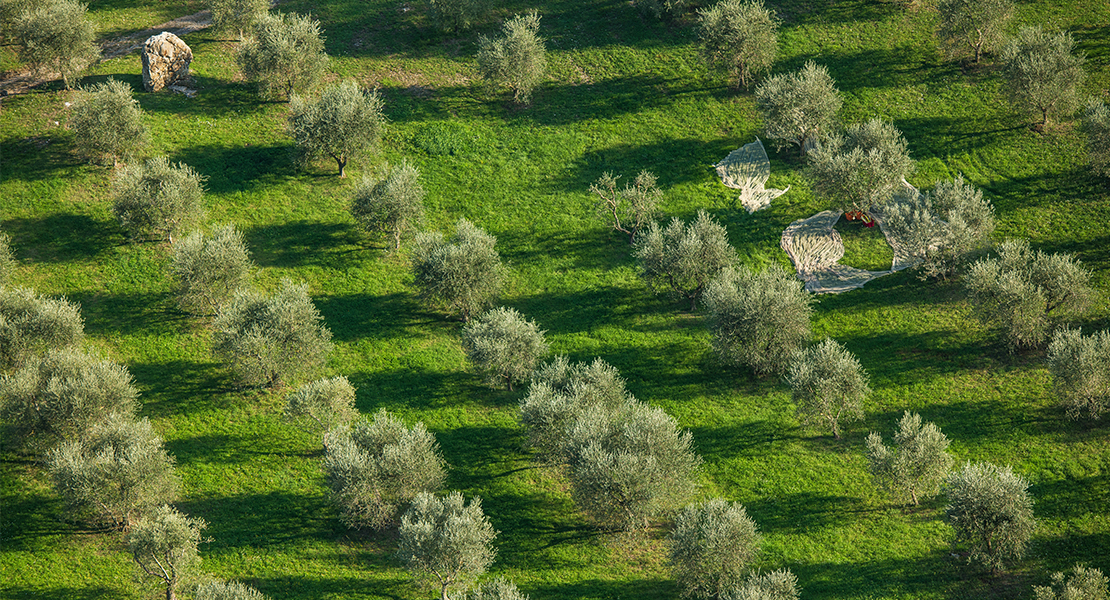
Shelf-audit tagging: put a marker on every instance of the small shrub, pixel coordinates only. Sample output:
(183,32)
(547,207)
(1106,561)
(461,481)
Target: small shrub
(446,540)
(827,383)
(976,25)
(684,258)
(457,15)
(237,14)
(711,547)
(391,205)
(157,199)
(229,590)
(518,59)
(345,123)
(284,53)
(270,340)
(107,122)
(917,465)
(208,270)
(495,589)
(1080,367)
(463,272)
(991,512)
(862,168)
(30,324)
(776,585)
(1096,125)
(376,468)
(1081,583)
(1040,73)
(117,472)
(799,108)
(629,209)
(323,405)
(672,9)
(56,35)
(758,319)
(739,37)
(164,547)
(503,346)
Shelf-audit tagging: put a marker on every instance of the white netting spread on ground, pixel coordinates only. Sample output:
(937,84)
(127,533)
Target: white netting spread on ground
(747,169)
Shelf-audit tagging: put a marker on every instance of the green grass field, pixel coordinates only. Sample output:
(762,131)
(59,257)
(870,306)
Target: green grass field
(623,93)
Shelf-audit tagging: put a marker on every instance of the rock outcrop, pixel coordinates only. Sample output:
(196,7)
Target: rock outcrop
(165,61)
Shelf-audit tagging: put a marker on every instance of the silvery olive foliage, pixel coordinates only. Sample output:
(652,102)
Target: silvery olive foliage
(227,590)
(323,405)
(776,585)
(457,15)
(1080,583)
(627,210)
(272,340)
(1096,125)
(56,36)
(283,53)
(1041,73)
(671,9)
(163,545)
(1024,292)
(61,395)
(376,468)
(503,346)
(990,510)
(799,108)
(462,272)
(31,324)
(208,269)
(156,199)
(344,123)
(116,472)
(975,25)
(237,14)
(390,205)
(7,259)
(863,167)
(446,541)
(758,319)
(107,122)
(516,60)
(497,588)
(712,547)
(828,384)
(918,463)
(944,229)
(739,37)
(1080,367)
(684,258)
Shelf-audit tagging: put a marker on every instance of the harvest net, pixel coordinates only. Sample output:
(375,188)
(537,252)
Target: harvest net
(747,169)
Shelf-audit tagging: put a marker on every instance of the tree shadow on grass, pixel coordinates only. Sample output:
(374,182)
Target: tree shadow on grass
(887,578)
(672,161)
(557,104)
(302,243)
(61,593)
(352,588)
(803,512)
(181,386)
(1078,494)
(1061,553)
(48,156)
(353,317)
(569,250)
(412,387)
(276,518)
(598,589)
(750,438)
(129,314)
(233,169)
(62,237)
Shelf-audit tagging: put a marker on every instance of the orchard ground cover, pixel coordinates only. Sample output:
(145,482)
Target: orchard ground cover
(623,93)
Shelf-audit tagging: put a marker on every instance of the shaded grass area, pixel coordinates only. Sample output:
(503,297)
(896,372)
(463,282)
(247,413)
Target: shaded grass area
(624,93)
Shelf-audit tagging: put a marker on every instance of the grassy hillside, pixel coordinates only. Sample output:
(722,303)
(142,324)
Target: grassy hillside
(624,93)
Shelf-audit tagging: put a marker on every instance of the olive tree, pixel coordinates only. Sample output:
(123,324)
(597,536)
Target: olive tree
(712,546)
(156,199)
(975,25)
(1080,367)
(390,205)
(323,405)
(30,324)
(1096,125)
(516,60)
(116,472)
(207,270)
(456,15)
(56,36)
(1081,583)
(283,53)
(227,590)
(943,230)
(62,394)
(271,340)
(164,547)
(776,585)
(684,258)
(503,346)
(629,209)
(345,122)
(463,272)
(917,465)
(1023,291)
(827,384)
(497,588)
(237,14)
(799,108)
(862,168)
(758,319)
(7,259)
(108,123)
(376,468)
(990,510)
(739,37)
(1041,73)
(447,541)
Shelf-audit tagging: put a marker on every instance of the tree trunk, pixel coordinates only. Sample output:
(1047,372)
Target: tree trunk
(342,162)
(443,592)
(170,595)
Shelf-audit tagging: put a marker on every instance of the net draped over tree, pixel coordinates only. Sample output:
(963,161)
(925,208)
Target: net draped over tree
(862,168)
(739,37)
(346,122)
